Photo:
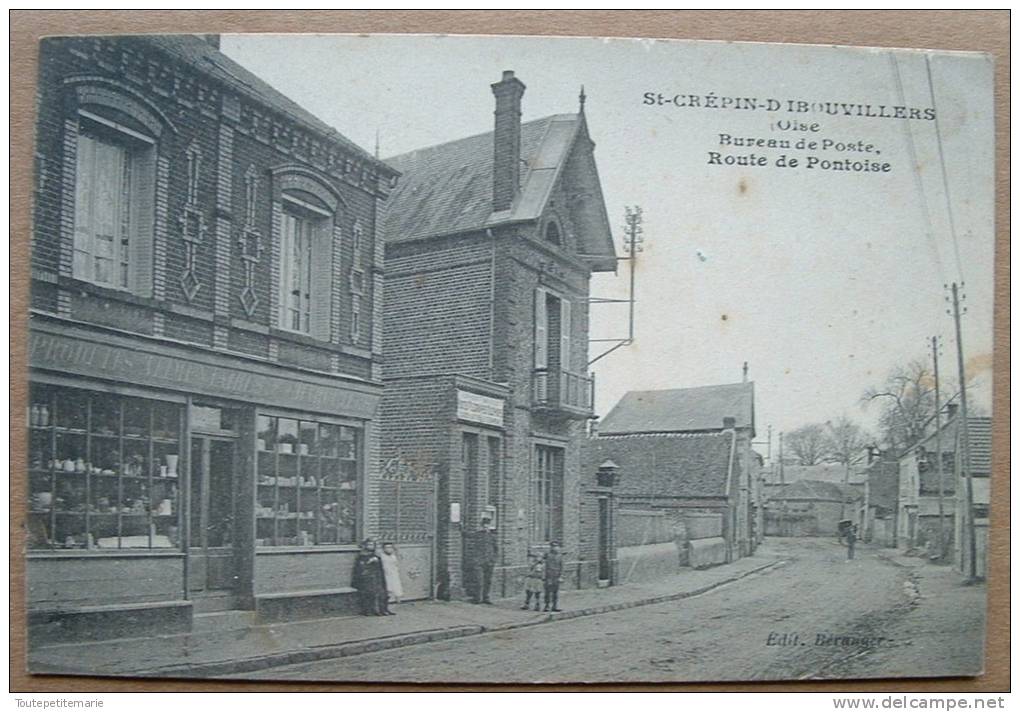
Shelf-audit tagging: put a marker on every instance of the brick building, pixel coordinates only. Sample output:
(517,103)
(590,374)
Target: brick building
(205,326)
(713,467)
(490,244)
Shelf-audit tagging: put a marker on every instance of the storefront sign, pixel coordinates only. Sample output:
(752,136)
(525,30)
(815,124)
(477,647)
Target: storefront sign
(479,409)
(179,370)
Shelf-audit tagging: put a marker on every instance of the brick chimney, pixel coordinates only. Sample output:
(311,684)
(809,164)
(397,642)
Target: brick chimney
(506,164)
(729,423)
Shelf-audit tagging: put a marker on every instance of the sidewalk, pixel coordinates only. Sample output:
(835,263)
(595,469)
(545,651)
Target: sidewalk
(257,647)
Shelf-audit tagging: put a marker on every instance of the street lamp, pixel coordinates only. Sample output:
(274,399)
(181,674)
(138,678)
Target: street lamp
(607,473)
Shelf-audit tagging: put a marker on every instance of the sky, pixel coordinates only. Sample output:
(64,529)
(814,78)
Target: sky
(822,280)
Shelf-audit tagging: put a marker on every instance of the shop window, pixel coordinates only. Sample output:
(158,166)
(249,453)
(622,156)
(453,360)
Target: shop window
(113,202)
(547,507)
(103,471)
(308,480)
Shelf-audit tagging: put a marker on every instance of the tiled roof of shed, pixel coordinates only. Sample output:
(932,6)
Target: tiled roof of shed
(670,465)
(681,410)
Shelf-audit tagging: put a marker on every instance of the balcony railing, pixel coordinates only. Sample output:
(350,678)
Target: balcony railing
(554,389)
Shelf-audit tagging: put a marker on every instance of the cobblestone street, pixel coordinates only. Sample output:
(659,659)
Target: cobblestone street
(818,616)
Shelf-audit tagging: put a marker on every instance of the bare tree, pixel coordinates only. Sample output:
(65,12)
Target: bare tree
(845,440)
(808,444)
(907,400)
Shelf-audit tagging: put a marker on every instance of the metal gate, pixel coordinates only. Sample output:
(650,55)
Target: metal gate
(407,518)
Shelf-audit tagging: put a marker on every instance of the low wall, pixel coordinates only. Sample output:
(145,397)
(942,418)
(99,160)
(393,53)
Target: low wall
(646,563)
(703,525)
(635,527)
(707,552)
(282,571)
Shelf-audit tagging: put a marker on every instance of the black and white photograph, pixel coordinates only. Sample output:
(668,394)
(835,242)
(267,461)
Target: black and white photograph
(380,358)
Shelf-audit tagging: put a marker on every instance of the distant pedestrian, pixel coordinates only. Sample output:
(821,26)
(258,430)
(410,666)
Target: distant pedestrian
(851,540)
(534,582)
(369,581)
(553,562)
(391,573)
(484,554)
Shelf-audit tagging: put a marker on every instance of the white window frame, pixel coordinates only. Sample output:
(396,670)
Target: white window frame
(133,146)
(319,224)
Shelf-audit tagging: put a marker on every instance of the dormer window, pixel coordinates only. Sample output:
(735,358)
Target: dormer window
(552,234)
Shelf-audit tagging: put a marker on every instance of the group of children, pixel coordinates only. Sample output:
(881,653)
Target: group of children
(544,575)
(377,579)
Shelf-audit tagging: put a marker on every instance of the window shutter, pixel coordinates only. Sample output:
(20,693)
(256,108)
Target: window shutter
(322,279)
(84,178)
(287,237)
(541,330)
(565,334)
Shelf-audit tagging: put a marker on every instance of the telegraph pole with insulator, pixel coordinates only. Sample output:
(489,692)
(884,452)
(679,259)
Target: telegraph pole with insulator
(963,433)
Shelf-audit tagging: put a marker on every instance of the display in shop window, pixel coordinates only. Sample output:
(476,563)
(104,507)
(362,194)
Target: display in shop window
(102,471)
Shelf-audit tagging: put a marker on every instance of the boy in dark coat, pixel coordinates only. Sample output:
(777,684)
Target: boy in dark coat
(369,581)
(553,572)
(485,553)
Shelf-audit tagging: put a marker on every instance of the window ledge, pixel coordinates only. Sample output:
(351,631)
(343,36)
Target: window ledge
(311,549)
(104,553)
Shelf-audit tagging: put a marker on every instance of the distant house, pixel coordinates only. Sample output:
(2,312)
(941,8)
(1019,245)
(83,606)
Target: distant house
(920,487)
(980,440)
(881,499)
(821,472)
(809,507)
(686,454)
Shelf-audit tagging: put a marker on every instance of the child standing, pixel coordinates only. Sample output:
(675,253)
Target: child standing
(391,572)
(553,573)
(534,582)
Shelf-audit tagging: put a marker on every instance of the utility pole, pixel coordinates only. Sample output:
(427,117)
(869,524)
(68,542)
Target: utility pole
(965,438)
(633,217)
(938,448)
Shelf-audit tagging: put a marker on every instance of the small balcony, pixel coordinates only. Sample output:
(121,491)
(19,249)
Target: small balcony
(571,394)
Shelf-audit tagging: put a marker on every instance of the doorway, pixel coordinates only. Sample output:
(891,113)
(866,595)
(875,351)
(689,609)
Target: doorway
(213,570)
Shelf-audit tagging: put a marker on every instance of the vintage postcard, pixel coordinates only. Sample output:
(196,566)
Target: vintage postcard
(478,359)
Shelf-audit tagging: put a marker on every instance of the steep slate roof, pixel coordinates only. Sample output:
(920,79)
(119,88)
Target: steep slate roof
(198,53)
(667,465)
(681,410)
(813,490)
(447,189)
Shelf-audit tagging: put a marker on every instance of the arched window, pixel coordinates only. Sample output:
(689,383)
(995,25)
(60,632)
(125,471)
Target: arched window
(552,233)
(308,210)
(114,166)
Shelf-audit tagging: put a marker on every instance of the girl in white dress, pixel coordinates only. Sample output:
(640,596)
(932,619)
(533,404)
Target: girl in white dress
(391,571)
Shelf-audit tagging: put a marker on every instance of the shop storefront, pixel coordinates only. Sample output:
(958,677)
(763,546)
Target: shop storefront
(165,481)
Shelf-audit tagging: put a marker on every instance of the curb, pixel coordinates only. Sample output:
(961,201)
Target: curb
(373,645)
